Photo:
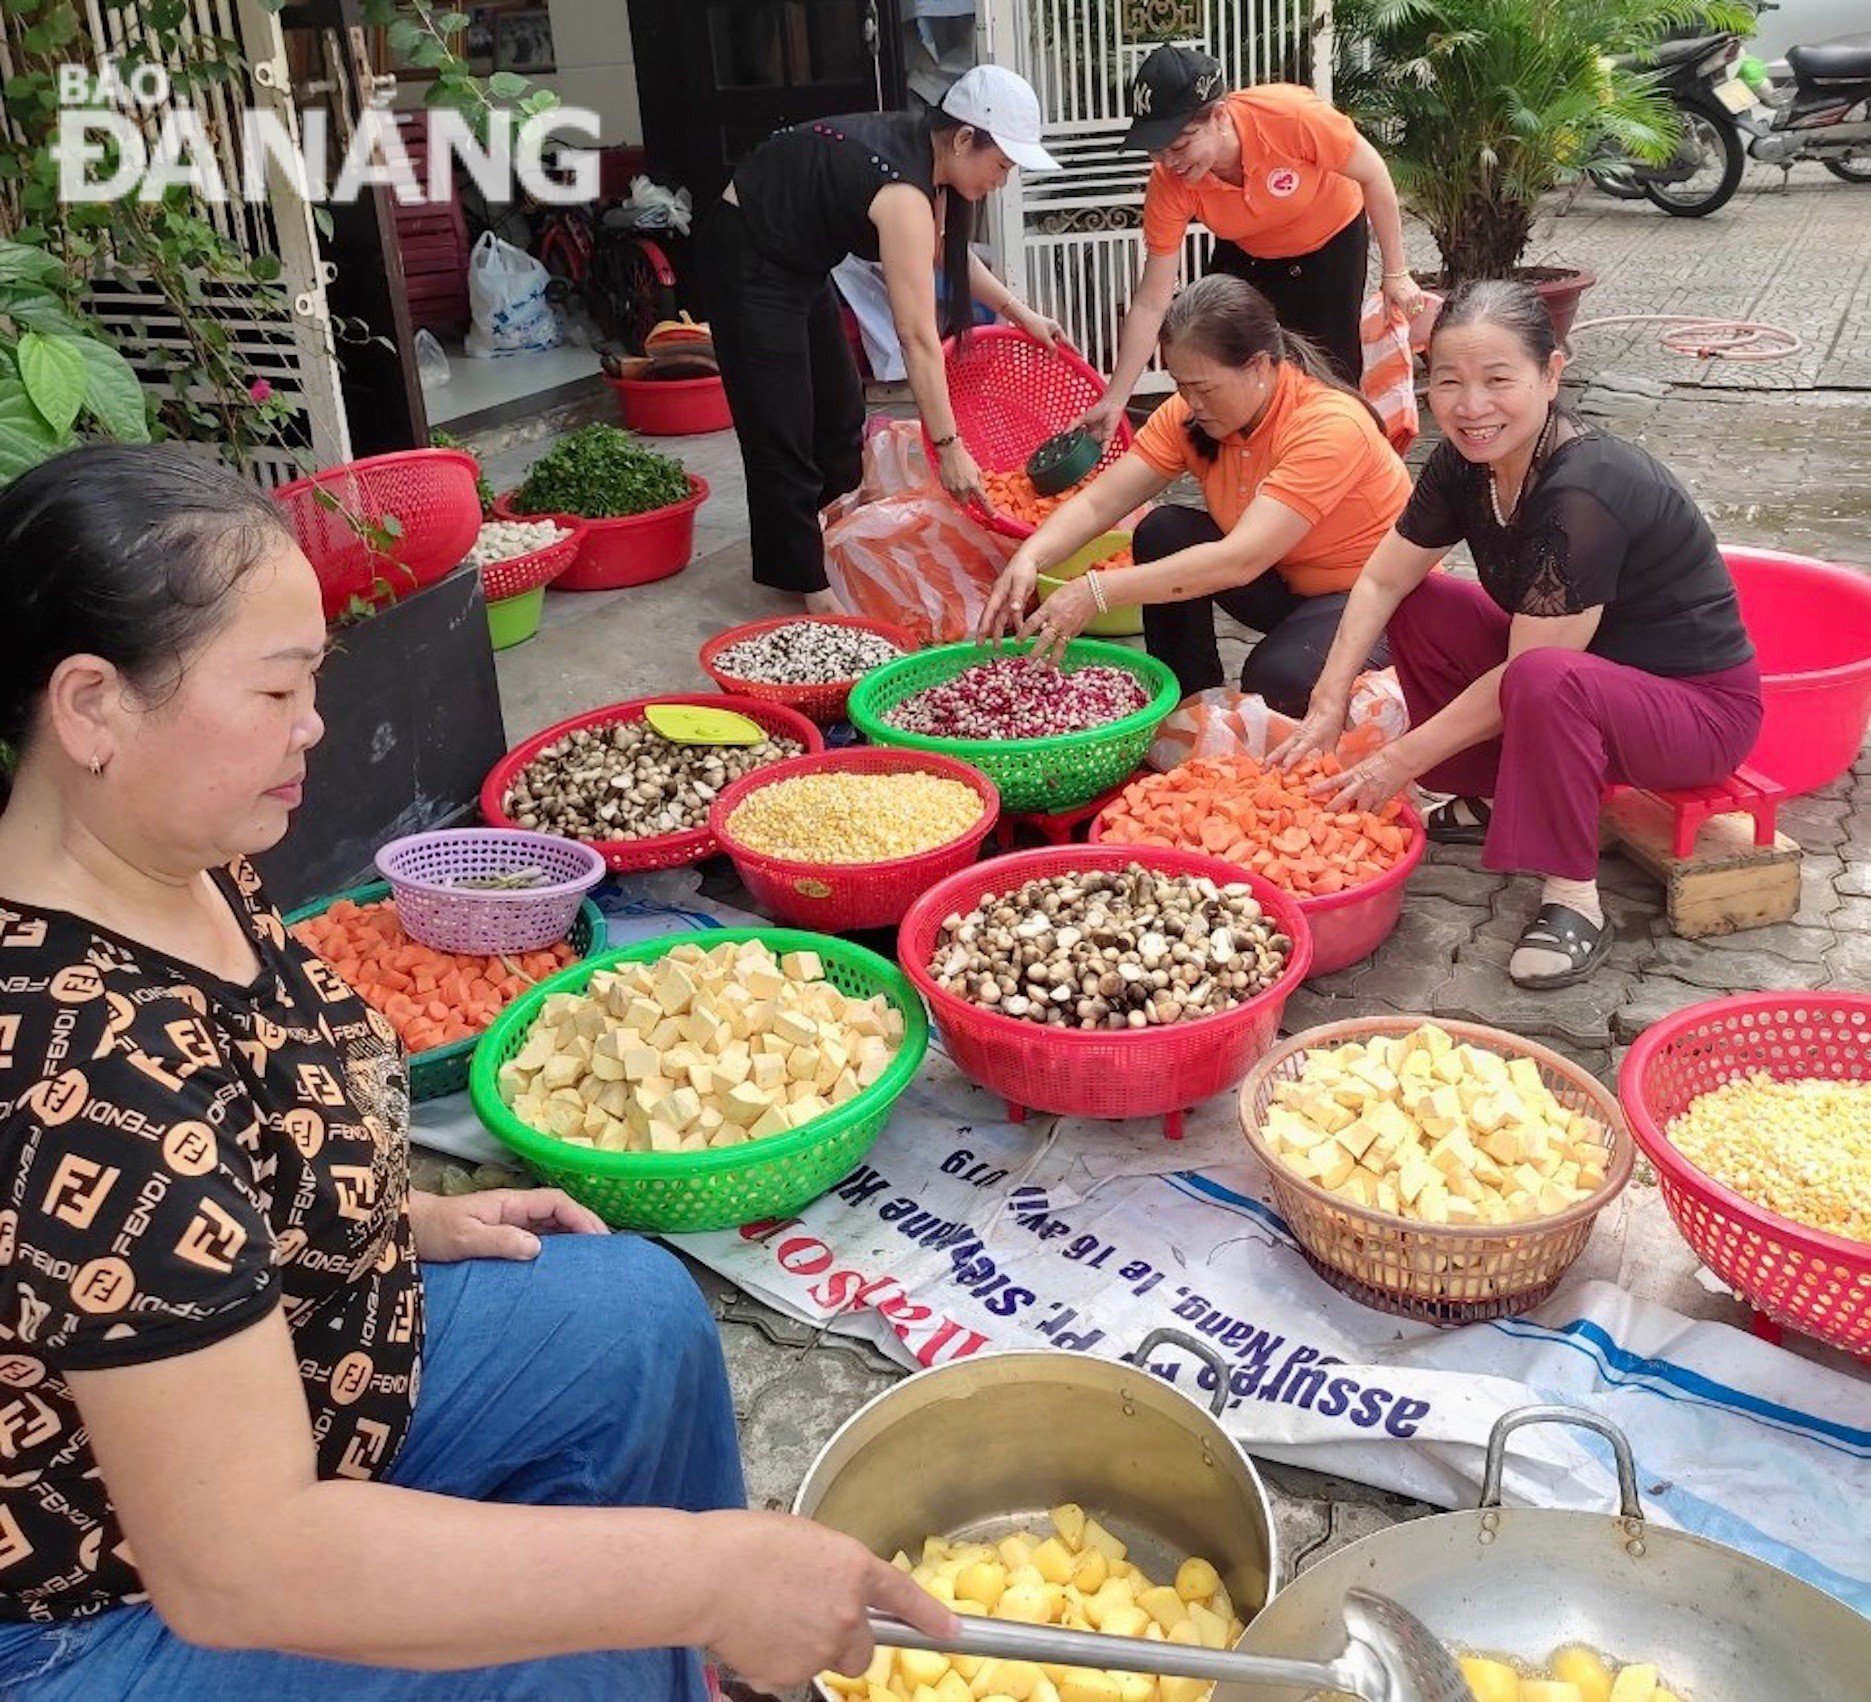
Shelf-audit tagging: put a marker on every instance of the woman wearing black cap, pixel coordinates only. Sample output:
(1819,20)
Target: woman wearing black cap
(1285,183)
(883,186)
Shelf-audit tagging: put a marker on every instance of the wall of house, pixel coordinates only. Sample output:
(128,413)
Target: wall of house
(591,42)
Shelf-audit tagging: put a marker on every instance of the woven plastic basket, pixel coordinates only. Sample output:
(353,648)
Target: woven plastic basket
(671,1193)
(1144,1072)
(823,703)
(663,850)
(1794,1276)
(522,573)
(1442,1274)
(1009,394)
(1033,775)
(839,898)
(425,871)
(430,496)
(443,1070)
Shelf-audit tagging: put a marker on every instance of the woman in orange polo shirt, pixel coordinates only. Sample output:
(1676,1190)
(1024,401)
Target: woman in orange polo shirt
(1299,483)
(1292,193)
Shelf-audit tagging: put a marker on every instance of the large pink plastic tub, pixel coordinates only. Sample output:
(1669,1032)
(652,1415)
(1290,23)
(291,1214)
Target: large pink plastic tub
(1811,625)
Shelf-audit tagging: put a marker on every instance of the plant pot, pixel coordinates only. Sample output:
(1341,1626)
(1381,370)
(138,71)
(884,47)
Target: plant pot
(1558,287)
(412,725)
(672,407)
(513,620)
(633,550)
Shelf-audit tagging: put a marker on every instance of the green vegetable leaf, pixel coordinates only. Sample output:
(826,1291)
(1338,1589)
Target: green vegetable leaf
(602,473)
(266,267)
(321,217)
(506,85)
(25,438)
(22,265)
(403,37)
(113,394)
(450,23)
(54,375)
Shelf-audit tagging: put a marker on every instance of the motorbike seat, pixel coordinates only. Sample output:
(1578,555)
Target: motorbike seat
(1690,48)
(1844,60)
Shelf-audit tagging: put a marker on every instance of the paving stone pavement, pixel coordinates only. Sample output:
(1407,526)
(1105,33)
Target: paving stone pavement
(1778,457)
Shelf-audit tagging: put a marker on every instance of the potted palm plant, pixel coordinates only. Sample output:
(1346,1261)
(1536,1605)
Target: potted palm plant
(1484,106)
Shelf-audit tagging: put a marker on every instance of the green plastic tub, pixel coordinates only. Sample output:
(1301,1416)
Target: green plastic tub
(1034,775)
(443,1070)
(513,620)
(673,1193)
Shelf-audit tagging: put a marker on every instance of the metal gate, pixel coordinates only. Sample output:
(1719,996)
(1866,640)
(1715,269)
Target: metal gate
(1071,241)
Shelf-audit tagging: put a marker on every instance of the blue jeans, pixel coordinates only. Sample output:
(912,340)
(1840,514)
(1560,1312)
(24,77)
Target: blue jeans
(590,1377)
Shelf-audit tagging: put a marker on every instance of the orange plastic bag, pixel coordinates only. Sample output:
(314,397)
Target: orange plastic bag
(897,549)
(1223,722)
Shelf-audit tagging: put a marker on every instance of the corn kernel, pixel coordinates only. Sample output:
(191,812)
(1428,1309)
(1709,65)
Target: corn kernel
(836,818)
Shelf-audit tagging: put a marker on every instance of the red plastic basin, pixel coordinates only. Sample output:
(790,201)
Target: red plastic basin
(1811,625)
(672,407)
(633,550)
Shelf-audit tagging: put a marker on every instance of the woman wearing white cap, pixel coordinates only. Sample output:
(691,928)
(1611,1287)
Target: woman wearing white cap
(884,186)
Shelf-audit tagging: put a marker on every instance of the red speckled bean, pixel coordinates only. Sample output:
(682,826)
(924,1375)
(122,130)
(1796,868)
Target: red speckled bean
(1013,698)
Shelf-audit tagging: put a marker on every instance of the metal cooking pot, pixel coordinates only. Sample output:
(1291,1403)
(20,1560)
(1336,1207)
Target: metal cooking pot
(1523,1581)
(974,1450)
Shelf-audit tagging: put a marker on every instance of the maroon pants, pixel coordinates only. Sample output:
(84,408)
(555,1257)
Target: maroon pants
(1571,724)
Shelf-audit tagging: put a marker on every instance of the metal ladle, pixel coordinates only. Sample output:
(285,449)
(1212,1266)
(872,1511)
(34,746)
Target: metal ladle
(1390,1655)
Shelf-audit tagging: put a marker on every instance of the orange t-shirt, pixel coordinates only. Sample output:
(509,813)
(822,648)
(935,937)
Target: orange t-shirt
(1318,451)
(1294,196)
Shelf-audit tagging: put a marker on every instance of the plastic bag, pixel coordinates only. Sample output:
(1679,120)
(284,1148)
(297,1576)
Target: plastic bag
(431,360)
(1224,722)
(507,296)
(1389,381)
(652,207)
(897,549)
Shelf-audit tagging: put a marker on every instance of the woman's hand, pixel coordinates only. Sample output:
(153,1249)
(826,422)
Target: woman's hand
(1403,297)
(503,1223)
(1367,785)
(1034,323)
(1321,730)
(803,1609)
(1101,418)
(1006,603)
(961,476)
(1060,619)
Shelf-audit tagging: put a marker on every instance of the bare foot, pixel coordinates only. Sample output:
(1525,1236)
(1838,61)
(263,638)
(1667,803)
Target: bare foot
(823,603)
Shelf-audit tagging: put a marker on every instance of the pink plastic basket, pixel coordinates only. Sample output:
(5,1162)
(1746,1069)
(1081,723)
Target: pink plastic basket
(1794,1276)
(424,870)
(1010,393)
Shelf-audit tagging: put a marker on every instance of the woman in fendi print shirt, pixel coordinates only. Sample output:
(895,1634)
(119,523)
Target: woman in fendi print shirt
(271,1424)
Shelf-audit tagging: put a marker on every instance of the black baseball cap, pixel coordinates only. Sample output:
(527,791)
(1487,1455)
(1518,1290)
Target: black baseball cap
(1170,87)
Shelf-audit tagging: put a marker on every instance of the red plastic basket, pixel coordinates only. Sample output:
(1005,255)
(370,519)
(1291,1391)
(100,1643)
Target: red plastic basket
(1010,393)
(836,898)
(823,703)
(634,549)
(1143,1072)
(517,575)
(665,850)
(431,495)
(671,407)
(1348,926)
(1795,1277)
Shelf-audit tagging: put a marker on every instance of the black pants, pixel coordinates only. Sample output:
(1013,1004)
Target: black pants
(1297,632)
(1320,295)
(797,399)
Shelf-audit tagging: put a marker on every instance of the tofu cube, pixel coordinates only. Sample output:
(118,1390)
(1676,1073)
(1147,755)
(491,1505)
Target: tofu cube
(802,966)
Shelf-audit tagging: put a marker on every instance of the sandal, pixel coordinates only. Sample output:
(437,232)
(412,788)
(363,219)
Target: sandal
(1561,929)
(1444,824)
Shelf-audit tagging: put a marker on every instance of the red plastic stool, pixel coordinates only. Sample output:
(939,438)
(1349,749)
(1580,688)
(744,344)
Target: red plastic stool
(1058,828)
(1745,792)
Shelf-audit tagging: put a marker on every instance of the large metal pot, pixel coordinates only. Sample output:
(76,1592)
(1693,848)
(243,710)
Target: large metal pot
(974,1450)
(1522,1581)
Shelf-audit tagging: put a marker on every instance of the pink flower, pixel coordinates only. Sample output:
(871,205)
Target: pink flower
(259,390)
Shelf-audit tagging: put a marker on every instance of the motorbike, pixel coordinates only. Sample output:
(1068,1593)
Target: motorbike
(1698,74)
(1824,117)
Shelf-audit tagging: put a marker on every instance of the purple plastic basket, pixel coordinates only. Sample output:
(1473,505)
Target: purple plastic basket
(423,868)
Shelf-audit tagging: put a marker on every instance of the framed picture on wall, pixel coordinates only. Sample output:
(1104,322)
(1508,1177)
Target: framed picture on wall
(500,35)
(523,40)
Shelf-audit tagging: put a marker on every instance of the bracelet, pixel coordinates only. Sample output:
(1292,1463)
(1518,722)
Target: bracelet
(1405,273)
(943,442)
(1097,593)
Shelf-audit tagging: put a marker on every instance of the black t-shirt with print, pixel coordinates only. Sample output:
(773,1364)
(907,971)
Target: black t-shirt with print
(805,193)
(177,1157)
(1603,523)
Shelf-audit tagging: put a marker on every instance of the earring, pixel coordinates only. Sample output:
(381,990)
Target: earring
(96,765)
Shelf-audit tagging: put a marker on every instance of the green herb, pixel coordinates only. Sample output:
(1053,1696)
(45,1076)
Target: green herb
(601,473)
(439,439)
(519,880)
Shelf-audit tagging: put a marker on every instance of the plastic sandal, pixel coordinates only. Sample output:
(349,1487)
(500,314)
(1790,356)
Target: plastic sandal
(1562,929)
(1445,827)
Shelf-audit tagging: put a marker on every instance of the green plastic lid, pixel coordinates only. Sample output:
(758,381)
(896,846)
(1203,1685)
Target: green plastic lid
(690,724)
(1062,460)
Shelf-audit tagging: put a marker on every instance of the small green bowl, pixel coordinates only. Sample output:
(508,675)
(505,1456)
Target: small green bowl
(1062,460)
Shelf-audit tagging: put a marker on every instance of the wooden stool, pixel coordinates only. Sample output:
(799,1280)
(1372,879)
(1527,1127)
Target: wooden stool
(1723,865)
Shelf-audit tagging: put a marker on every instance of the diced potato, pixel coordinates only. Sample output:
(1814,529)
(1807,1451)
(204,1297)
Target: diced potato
(922,1666)
(1491,1681)
(1196,1579)
(1096,1536)
(1636,1683)
(1005,1678)
(1089,1572)
(1585,1670)
(1054,1561)
(1028,1603)
(982,1582)
(1084,1684)
(1547,1690)
(1164,1605)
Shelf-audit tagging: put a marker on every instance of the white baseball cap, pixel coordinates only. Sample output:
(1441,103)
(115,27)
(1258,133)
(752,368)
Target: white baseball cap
(994,99)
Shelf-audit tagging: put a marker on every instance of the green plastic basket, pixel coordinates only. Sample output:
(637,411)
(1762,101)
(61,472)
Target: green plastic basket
(674,1193)
(443,1070)
(1045,775)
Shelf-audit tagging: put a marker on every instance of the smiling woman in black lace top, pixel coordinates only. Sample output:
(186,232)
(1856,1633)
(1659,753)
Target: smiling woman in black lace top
(1603,643)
